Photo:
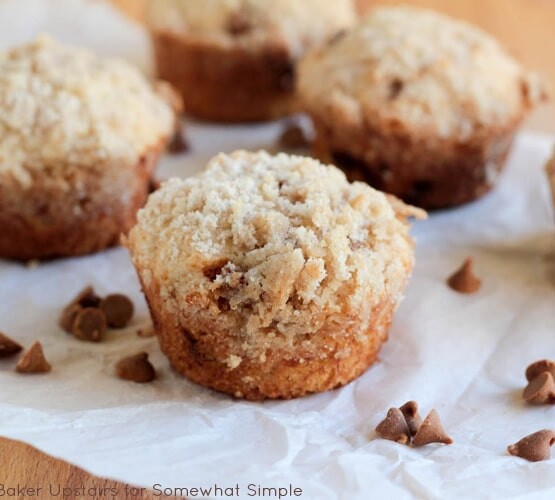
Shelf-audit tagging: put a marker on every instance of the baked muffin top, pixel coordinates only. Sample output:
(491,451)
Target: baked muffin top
(284,240)
(254,24)
(62,106)
(419,71)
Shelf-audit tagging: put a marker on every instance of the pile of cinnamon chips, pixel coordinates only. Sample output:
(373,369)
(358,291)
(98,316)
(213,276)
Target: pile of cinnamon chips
(88,316)
(405,426)
(539,391)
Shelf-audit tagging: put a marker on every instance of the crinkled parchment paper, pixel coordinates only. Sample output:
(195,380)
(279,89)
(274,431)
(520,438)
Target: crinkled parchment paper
(463,355)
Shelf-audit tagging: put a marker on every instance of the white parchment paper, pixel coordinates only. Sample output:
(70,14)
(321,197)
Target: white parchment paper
(463,355)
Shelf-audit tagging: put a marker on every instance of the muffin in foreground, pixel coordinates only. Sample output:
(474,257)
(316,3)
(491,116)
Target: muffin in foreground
(419,104)
(271,276)
(79,140)
(234,60)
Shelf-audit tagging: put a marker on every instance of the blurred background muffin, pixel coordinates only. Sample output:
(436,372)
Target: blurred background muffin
(79,140)
(418,104)
(523,26)
(234,60)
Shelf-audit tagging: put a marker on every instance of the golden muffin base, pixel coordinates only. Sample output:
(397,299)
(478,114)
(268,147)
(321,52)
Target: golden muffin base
(226,84)
(46,221)
(197,348)
(428,173)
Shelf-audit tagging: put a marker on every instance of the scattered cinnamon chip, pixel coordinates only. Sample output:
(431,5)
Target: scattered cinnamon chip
(90,324)
(534,447)
(543,365)
(68,316)
(178,143)
(394,427)
(412,417)
(118,310)
(293,137)
(540,390)
(431,431)
(33,361)
(8,347)
(136,368)
(464,280)
(85,298)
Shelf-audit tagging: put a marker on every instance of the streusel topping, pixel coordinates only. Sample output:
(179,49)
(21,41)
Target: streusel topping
(295,24)
(283,240)
(63,106)
(412,68)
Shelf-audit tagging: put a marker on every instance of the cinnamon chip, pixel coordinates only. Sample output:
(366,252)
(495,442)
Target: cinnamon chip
(178,144)
(89,324)
(534,447)
(394,427)
(540,390)
(543,365)
(68,316)
(118,310)
(412,417)
(431,431)
(464,280)
(293,137)
(33,361)
(136,368)
(85,298)
(8,347)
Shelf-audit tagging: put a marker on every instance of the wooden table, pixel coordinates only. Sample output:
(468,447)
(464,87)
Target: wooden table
(525,26)
(25,469)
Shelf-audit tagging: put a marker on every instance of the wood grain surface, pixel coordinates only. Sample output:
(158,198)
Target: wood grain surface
(524,26)
(25,472)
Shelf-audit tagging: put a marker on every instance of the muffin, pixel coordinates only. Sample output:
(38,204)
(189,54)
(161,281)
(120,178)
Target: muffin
(234,60)
(418,104)
(271,276)
(79,140)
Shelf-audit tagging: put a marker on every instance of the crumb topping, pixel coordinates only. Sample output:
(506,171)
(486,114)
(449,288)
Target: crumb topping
(62,106)
(254,23)
(276,242)
(414,69)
